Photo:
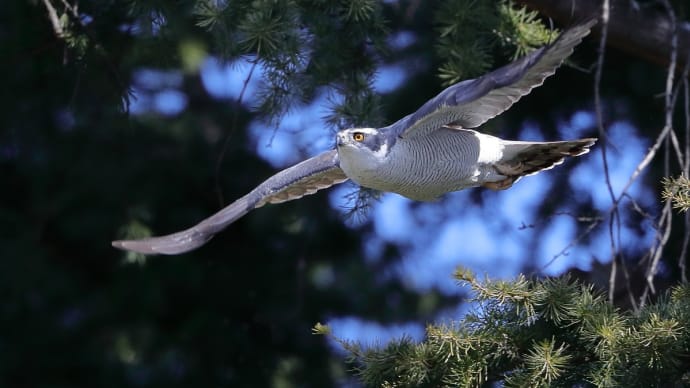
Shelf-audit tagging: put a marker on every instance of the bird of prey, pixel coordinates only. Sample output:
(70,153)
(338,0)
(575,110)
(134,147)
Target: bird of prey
(422,156)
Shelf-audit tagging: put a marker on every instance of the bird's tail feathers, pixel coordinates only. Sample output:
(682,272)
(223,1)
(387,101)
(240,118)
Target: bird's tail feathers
(522,158)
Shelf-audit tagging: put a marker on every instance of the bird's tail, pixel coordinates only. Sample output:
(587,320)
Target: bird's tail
(522,158)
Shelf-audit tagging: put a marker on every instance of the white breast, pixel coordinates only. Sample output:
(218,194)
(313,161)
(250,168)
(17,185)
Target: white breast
(426,167)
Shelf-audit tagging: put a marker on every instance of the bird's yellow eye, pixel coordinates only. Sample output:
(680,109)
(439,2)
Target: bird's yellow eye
(358,136)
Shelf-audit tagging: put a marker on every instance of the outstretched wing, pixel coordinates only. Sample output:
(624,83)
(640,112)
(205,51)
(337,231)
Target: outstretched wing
(471,103)
(302,179)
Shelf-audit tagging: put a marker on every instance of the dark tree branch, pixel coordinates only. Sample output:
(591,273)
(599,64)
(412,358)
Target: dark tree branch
(643,32)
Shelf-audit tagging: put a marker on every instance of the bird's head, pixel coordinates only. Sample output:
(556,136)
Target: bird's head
(364,143)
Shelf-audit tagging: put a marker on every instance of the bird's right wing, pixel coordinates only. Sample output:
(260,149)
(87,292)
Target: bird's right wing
(470,103)
(302,179)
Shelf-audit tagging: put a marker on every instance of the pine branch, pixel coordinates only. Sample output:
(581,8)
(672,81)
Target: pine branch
(677,190)
(539,332)
(471,31)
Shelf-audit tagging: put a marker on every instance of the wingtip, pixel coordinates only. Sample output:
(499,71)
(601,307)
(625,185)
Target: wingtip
(583,146)
(134,246)
(589,21)
(589,141)
(119,244)
(582,23)
(172,244)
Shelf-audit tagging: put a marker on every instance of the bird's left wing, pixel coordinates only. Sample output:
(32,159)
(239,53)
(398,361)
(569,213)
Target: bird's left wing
(470,103)
(302,179)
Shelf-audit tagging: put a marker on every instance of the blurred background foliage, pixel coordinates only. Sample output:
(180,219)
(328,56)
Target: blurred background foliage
(80,167)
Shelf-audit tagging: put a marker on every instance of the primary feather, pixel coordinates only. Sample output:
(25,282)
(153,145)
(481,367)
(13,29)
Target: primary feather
(470,103)
(302,179)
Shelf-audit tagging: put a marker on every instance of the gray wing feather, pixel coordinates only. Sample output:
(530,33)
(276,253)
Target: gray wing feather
(471,103)
(302,179)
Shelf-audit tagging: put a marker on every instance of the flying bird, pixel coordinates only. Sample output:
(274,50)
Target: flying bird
(422,156)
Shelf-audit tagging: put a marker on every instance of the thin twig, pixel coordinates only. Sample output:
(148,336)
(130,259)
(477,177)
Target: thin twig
(72,9)
(645,161)
(572,243)
(597,93)
(614,256)
(665,223)
(686,171)
(605,10)
(628,287)
(674,100)
(686,87)
(676,147)
(54,19)
(665,220)
(73,14)
(545,220)
(228,137)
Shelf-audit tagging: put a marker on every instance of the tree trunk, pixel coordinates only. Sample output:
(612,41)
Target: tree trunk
(643,32)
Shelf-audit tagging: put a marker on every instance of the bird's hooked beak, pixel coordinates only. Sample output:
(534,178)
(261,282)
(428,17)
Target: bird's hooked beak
(340,139)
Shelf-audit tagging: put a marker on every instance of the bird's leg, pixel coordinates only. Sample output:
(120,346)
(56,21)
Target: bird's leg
(500,185)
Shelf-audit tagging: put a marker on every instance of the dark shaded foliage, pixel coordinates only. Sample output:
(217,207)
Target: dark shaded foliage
(77,170)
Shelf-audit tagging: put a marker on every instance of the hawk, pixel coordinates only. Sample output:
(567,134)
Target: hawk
(422,156)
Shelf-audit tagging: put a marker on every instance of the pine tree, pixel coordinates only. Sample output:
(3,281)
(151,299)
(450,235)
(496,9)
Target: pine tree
(552,332)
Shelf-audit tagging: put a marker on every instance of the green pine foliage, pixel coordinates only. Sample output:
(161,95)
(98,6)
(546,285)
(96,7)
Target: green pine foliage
(677,190)
(535,333)
(471,31)
(302,46)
